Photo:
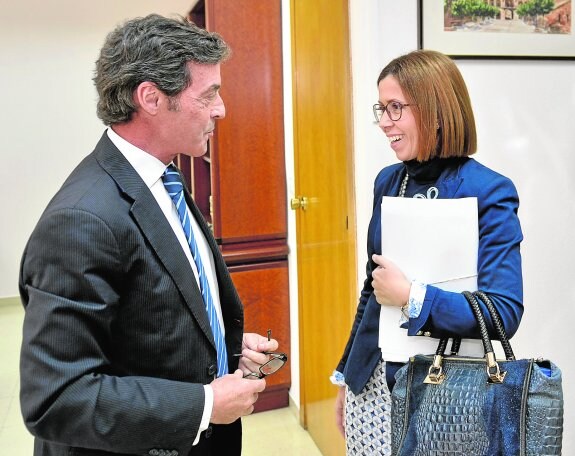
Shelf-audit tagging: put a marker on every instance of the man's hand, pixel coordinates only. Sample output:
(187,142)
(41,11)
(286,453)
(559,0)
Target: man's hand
(252,347)
(234,397)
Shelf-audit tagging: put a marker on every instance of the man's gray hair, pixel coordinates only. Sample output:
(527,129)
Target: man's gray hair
(156,49)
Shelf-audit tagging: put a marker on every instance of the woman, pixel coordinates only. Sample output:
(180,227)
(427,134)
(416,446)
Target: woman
(425,111)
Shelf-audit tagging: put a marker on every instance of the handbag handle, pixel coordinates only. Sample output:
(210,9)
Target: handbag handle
(498,324)
(436,374)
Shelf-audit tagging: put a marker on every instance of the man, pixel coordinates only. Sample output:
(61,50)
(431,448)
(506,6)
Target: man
(119,348)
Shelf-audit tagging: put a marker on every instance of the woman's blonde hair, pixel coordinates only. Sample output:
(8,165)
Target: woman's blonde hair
(432,82)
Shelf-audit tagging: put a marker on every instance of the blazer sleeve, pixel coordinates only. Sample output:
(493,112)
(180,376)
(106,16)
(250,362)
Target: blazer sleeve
(71,285)
(499,264)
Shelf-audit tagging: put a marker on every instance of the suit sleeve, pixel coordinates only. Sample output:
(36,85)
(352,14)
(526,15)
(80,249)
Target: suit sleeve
(71,284)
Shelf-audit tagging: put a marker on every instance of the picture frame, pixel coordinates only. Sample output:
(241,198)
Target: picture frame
(506,35)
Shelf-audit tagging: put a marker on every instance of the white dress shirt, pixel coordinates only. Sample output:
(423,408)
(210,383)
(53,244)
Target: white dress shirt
(150,169)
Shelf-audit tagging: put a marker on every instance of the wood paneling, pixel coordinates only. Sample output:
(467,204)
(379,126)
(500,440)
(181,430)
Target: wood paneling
(249,142)
(263,289)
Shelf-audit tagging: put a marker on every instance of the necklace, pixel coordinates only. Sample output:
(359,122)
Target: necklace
(403,186)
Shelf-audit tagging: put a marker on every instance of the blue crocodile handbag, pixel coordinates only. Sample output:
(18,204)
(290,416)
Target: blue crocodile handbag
(453,405)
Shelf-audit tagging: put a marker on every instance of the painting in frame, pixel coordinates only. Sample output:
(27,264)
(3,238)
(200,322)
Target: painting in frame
(524,29)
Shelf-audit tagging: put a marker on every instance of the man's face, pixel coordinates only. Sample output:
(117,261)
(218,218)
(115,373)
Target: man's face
(188,121)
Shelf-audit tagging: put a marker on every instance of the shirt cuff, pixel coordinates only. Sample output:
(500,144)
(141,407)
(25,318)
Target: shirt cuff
(415,301)
(208,406)
(337,378)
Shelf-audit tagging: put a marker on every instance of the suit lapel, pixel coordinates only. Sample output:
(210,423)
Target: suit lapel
(392,188)
(155,228)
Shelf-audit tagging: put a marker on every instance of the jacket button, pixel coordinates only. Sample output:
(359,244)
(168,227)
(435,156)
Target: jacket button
(212,370)
(208,433)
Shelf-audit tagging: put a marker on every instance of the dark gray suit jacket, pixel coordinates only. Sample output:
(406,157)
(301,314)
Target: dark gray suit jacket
(117,344)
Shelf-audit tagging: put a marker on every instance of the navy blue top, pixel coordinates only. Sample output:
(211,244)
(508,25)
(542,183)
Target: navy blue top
(444,312)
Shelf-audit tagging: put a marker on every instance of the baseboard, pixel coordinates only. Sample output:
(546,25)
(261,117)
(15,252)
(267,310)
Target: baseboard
(294,408)
(272,398)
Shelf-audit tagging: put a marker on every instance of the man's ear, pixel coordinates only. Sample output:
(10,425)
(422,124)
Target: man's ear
(147,97)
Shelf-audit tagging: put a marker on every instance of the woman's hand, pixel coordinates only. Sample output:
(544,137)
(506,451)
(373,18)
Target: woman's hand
(390,286)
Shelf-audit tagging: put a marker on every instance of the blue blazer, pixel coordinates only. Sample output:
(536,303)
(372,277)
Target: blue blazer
(444,312)
(116,343)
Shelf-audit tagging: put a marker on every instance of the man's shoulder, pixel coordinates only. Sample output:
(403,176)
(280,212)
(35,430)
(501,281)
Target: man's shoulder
(89,187)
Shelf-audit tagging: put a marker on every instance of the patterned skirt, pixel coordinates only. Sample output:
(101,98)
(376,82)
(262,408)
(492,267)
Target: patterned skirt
(368,417)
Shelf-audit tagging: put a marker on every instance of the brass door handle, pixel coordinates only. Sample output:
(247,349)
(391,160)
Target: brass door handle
(299,203)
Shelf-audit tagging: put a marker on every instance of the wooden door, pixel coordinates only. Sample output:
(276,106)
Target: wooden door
(326,226)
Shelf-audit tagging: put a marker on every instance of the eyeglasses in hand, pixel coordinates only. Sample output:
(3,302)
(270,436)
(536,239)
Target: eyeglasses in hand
(275,363)
(394,110)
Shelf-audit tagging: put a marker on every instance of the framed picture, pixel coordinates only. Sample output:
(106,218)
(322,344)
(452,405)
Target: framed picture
(523,29)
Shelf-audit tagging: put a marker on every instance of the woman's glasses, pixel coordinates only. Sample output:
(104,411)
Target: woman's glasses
(394,110)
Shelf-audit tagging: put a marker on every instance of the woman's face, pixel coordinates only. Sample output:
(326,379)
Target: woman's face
(403,133)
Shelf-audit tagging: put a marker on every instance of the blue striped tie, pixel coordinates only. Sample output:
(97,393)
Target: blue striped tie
(175,187)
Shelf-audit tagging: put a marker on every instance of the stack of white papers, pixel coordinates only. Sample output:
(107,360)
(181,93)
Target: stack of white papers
(434,241)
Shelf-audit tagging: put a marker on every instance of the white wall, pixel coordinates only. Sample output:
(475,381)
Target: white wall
(48,119)
(524,113)
(294,392)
